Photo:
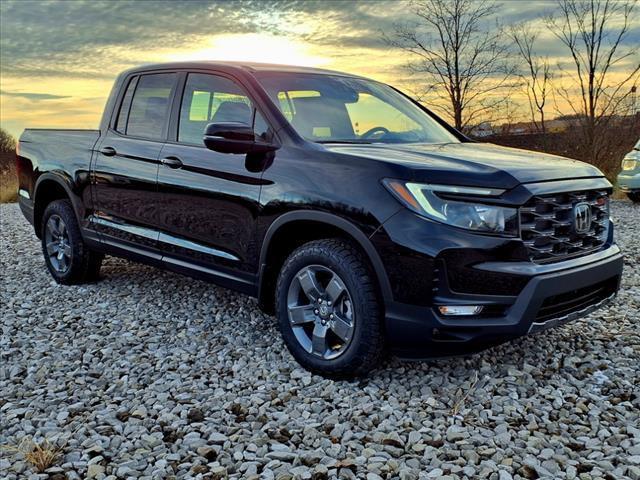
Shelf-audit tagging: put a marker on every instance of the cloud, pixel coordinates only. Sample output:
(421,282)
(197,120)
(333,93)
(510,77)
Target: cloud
(76,48)
(92,38)
(33,96)
(95,39)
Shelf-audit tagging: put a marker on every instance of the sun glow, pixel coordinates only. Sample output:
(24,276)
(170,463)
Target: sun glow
(253,47)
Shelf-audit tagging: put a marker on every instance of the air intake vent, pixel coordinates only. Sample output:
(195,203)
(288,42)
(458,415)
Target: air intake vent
(551,232)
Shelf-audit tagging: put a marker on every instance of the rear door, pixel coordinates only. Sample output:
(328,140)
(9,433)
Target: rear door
(126,166)
(209,201)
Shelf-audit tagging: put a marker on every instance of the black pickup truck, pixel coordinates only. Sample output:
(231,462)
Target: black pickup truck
(354,214)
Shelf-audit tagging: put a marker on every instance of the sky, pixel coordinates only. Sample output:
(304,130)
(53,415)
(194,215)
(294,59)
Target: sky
(59,58)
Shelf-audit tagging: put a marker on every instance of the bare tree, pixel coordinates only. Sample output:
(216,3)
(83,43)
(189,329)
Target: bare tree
(594,33)
(535,72)
(7,142)
(462,57)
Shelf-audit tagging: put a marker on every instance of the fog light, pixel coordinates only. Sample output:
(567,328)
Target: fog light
(460,309)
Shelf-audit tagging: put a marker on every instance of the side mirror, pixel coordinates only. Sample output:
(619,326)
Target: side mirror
(234,137)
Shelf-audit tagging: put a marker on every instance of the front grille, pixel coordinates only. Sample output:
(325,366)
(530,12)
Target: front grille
(547,225)
(576,300)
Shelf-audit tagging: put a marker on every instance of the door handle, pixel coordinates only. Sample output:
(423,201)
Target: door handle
(171,162)
(108,151)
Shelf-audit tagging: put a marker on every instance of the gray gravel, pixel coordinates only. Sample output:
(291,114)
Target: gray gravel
(149,374)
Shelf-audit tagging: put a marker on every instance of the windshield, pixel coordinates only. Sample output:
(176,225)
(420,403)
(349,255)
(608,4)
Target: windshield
(331,108)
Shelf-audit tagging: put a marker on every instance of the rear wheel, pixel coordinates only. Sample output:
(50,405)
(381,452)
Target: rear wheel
(67,257)
(328,311)
(634,196)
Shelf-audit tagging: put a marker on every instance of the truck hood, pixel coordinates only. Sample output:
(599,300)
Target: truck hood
(472,164)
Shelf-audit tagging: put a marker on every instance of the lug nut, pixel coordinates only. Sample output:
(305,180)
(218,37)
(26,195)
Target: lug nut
(316,311)
(319,300)
(331,316)
(329,302)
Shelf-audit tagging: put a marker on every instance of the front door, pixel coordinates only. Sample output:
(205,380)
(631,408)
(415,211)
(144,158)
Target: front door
(209,201)
(126,165)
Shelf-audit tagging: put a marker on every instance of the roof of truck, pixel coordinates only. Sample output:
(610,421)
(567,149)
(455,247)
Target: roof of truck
(228,65)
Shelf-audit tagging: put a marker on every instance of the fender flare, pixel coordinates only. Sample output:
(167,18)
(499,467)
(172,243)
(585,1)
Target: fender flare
(62,180)
(335,221)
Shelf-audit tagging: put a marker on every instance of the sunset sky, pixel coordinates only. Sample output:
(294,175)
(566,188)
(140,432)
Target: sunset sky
(58,59)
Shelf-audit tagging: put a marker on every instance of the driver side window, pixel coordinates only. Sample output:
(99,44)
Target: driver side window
(210,99)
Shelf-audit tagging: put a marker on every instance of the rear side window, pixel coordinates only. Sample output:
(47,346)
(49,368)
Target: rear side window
(121,124)
(149,110)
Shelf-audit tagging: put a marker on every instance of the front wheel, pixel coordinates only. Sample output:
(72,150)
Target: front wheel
(328,310)
(634,196)
(67,257)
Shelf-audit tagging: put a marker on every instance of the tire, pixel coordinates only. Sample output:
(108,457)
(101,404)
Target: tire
(67,257)
(343,305)
(634,196)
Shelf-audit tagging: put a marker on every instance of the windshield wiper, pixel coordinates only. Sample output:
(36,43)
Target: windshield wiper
(355,142)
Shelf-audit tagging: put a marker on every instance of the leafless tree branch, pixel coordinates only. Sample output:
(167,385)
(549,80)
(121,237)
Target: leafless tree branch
(594,33)
(535,72)
(454,49)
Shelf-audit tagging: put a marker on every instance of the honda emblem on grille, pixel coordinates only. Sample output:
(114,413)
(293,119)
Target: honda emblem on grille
(582,217)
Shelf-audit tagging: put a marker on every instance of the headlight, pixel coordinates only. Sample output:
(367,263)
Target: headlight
(629,164)
(427,200)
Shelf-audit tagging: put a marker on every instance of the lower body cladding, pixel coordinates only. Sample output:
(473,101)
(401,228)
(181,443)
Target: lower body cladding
(547,300)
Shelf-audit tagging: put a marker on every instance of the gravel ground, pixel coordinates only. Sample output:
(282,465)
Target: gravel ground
(149,374)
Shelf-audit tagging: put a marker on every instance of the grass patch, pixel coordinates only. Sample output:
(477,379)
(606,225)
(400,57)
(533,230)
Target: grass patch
(8,186)
(8,177)
(40,456)
(462,397)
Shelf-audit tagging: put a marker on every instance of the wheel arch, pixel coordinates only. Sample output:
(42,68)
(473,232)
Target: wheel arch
(48,188)
(310,225)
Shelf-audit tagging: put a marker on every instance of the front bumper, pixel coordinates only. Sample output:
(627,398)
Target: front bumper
(548,299)
(629,181)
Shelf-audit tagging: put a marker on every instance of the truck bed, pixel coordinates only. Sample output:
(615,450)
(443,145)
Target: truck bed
(59,151)
(80,138)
